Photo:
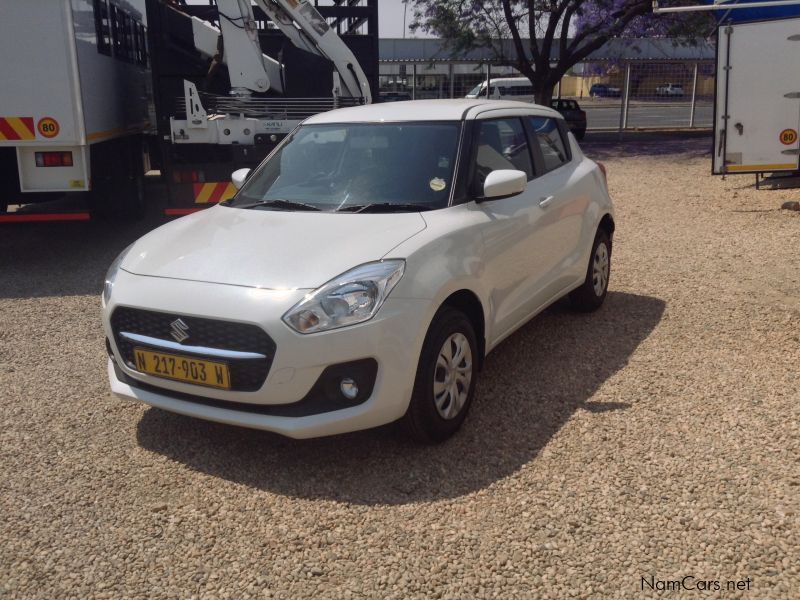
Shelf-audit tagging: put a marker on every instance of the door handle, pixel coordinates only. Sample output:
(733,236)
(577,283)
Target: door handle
(545,202)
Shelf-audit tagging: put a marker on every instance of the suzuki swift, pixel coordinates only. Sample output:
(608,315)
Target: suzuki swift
(363,271)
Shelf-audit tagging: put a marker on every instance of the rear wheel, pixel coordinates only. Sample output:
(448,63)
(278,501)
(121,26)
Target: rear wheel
(446,377)
(591,294)
(580,134)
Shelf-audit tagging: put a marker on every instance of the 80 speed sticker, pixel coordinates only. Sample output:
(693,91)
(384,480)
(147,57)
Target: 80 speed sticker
(788,137)
(48,127)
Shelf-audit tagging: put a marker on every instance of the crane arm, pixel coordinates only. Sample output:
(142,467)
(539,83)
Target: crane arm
(308,30)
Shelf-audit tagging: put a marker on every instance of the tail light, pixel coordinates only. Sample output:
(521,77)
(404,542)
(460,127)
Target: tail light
(604,171)
(54,159)
(181,176)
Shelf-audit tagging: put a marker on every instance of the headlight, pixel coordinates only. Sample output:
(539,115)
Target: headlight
(111,274)
(352,297)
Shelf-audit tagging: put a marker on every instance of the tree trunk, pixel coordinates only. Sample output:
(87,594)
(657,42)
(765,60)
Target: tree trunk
(543,91)
(545,95)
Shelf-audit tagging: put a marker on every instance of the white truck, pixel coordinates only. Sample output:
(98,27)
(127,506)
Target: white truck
(95,92)
(75,105)
(757,110)
(757,96)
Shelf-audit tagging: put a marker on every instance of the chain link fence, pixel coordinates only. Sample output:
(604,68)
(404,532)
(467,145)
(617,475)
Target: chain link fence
(615,95)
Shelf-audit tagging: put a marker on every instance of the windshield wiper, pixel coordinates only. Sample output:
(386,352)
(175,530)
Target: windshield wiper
(279,203)
(378,207)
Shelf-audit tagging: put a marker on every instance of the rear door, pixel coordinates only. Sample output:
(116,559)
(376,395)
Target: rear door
(757,112)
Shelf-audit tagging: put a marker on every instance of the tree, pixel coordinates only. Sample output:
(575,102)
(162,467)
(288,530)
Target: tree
(560,33)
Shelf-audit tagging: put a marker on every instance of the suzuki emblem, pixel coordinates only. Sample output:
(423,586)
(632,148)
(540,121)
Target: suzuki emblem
(179,330)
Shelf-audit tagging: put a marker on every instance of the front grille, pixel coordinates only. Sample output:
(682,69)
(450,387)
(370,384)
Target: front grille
(247,375)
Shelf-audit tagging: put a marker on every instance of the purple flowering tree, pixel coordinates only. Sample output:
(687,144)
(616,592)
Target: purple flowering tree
(547,37)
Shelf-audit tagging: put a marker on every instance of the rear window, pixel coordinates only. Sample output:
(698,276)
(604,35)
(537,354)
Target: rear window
(565,105)
(550,141)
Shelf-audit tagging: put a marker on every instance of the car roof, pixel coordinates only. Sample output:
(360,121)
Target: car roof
(429,110)
(511,80)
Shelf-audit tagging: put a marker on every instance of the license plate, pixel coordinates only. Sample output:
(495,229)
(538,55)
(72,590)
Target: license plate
(183,368)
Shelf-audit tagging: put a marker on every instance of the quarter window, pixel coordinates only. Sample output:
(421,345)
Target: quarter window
(501,144)
(550,141)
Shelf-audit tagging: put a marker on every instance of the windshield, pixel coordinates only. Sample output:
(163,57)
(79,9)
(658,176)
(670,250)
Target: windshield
(476,90)
(354,166)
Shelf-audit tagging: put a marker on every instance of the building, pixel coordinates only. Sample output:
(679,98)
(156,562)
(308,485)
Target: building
(426,68)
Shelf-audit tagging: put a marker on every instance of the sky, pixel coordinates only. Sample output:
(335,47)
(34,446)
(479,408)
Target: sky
(390,16)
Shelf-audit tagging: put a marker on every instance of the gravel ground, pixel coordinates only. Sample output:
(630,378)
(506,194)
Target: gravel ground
(657,438)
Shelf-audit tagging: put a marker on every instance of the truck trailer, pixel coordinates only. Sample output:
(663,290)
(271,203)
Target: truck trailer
(75,105)
(98,92)
(757,106)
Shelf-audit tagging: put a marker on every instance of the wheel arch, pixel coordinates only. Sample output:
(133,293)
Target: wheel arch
(607,224)
(468,303)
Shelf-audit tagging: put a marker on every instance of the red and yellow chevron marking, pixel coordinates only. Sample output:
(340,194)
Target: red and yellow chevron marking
(210,193)
(17,128)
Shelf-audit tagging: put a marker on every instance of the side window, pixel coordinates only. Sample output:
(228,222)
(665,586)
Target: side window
(550,141)
(127,39)
(116,29)
(501,144)
(141,45)
(102,27)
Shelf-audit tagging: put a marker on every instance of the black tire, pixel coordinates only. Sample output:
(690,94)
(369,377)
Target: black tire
(589,296)
(424,421)
(580,134)
(135,205)
(119,200)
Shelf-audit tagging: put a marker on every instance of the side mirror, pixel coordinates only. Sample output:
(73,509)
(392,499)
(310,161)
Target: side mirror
(239,176)
(504,183)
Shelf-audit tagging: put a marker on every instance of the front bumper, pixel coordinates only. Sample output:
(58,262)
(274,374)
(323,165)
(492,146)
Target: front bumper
(392,339)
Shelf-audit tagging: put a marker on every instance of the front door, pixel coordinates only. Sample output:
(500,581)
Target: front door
(512,267)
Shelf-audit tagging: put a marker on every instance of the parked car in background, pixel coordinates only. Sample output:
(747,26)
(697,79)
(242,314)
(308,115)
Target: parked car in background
(508,88)
(573,115)
(670,89)
(363,271)
(601,90)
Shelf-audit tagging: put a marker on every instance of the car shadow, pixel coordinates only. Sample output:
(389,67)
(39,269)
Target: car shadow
(609,146)
(530,386)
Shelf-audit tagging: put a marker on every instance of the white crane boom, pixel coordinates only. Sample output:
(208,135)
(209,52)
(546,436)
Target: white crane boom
(308,30)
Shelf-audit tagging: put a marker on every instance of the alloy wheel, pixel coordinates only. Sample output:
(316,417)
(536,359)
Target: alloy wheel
(453,376)
(600,268)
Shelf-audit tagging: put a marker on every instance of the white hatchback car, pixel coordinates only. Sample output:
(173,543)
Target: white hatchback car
(363,271)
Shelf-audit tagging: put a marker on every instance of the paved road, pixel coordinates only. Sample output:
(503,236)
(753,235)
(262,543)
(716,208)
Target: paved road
(658,115)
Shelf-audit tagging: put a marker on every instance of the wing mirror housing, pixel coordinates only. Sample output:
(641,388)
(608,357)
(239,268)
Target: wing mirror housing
(504,183)
(239,176)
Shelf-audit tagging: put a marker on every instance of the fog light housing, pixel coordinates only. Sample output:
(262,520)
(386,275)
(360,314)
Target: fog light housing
(349,388)
(110,352)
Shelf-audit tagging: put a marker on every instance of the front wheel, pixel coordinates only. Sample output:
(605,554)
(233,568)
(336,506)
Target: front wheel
(446,377)
(591,294)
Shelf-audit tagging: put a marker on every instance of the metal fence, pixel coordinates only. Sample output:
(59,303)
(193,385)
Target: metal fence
(615,95)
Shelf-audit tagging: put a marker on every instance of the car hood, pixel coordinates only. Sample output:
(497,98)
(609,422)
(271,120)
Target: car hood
(266,248)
